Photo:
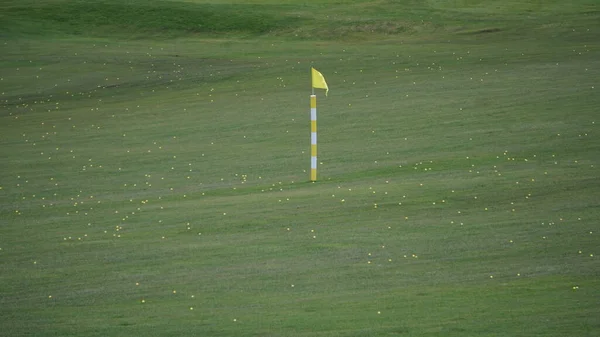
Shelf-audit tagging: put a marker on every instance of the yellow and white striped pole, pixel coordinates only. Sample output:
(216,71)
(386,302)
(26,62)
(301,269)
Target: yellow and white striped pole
(313,137)
(318,81)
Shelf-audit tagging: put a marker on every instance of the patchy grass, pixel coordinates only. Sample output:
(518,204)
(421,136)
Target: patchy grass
(142,18)
(159,186)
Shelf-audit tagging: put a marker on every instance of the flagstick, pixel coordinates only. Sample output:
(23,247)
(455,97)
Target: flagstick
(313,137)
(311,84)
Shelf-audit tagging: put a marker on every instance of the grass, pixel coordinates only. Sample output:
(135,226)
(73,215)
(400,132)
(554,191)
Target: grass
(154,174)
(162,18)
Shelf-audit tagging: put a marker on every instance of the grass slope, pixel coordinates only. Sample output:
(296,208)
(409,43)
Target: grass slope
(144,17)
(155,157)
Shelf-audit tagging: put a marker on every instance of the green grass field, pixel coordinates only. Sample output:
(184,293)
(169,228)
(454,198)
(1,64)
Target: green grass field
(155,161)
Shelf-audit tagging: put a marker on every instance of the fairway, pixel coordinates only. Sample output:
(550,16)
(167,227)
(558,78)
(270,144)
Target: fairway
(155,168)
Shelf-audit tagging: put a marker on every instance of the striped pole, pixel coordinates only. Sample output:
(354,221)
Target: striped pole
(313,138)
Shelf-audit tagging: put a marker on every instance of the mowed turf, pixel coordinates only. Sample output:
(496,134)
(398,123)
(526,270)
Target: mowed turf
(155,162)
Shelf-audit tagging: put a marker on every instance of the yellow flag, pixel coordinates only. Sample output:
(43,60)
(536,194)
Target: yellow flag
(318,81)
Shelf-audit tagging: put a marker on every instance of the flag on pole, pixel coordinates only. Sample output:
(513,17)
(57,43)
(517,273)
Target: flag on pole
(318,81)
